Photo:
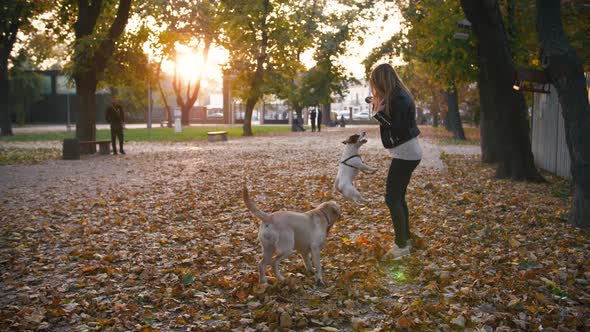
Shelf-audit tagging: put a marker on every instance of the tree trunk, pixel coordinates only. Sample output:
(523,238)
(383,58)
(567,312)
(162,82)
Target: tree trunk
(167,111)
(5,107)
(191,94)
(9,32)
(86,122)
(566,73)
(247,126)
(435,108)
(515,157)
(91,64)
(299,112)
(487,115)
(453,116)
(326,110)
(255,92)
(185,115)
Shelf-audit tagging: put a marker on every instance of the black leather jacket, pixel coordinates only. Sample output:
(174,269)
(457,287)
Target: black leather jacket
(402,126)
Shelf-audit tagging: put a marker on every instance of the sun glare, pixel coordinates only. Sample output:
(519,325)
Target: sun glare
(188,65)
(189,61)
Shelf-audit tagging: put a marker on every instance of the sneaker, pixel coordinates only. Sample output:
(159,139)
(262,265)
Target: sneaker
(123,152)
(397,253)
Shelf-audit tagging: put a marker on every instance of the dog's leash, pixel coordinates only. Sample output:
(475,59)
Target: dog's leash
(347,159)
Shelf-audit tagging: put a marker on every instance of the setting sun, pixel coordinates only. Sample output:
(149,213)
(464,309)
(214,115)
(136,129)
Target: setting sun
(189,63)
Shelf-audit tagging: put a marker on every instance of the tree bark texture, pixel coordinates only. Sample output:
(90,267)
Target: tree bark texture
(511,132)
(91,65)
(453,121)
(566,73)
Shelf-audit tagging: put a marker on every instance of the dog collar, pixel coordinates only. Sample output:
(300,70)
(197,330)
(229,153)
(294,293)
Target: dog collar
(347,159)
(327,220)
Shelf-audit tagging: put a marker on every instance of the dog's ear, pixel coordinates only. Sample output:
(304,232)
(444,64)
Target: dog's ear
(332,210)
(352,139)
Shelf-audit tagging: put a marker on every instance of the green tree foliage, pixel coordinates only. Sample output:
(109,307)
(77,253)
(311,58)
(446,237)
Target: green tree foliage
(191,23)
(329,35)
(263,41)
(427,41)
(15,17)
(25,87)
(524,43)
(328,77)
(287,75)
(427,36)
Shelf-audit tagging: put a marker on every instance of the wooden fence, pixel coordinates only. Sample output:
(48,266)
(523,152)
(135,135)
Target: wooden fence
(549,146)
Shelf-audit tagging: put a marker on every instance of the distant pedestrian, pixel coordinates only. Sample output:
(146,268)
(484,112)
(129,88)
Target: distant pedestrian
(312,117)
(320,120)
(116,118)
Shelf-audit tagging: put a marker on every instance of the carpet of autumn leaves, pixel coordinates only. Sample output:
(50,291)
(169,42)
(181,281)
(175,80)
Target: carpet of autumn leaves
(160,240)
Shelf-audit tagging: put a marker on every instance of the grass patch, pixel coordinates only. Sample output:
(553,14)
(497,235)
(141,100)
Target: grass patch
(11,156)
(445,137)
(156,134)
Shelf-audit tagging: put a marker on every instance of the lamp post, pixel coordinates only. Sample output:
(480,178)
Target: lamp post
(149,117)
(228,110)
(177,124)
(69,124)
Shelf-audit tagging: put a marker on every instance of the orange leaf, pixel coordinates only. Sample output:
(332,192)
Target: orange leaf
(404,322)
(241,295)
(88,269)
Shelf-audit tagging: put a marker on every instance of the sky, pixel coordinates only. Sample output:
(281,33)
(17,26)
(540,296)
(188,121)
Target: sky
(378,32)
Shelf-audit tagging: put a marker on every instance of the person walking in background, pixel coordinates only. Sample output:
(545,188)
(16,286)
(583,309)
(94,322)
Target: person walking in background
(320,119)
(395,111)
(312,117)
(115,116)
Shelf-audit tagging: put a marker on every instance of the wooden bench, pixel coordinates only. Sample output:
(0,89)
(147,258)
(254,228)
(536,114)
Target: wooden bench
(104,146)
(213,136)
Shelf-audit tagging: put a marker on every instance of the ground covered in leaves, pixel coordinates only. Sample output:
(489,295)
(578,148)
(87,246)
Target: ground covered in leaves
(160,240)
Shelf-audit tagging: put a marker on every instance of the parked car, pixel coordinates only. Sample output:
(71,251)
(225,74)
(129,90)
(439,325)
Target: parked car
(346,115)
(363,115)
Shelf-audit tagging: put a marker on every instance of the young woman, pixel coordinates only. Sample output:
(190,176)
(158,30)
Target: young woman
(394,108)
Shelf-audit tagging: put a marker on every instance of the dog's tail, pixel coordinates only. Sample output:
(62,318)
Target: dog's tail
(252,207)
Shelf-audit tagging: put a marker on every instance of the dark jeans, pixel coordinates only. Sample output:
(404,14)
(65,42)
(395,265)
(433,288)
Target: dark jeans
(117,133)
(313,124)
(398,178)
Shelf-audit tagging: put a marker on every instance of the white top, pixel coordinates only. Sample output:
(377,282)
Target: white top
(410,150)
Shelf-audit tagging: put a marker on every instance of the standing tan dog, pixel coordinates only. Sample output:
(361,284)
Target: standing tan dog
(350,165)
(281,232)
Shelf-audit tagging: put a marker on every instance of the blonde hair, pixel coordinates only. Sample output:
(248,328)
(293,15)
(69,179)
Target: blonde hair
(384,82)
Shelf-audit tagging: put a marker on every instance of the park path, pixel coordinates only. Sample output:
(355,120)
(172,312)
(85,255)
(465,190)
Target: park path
(97,173)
